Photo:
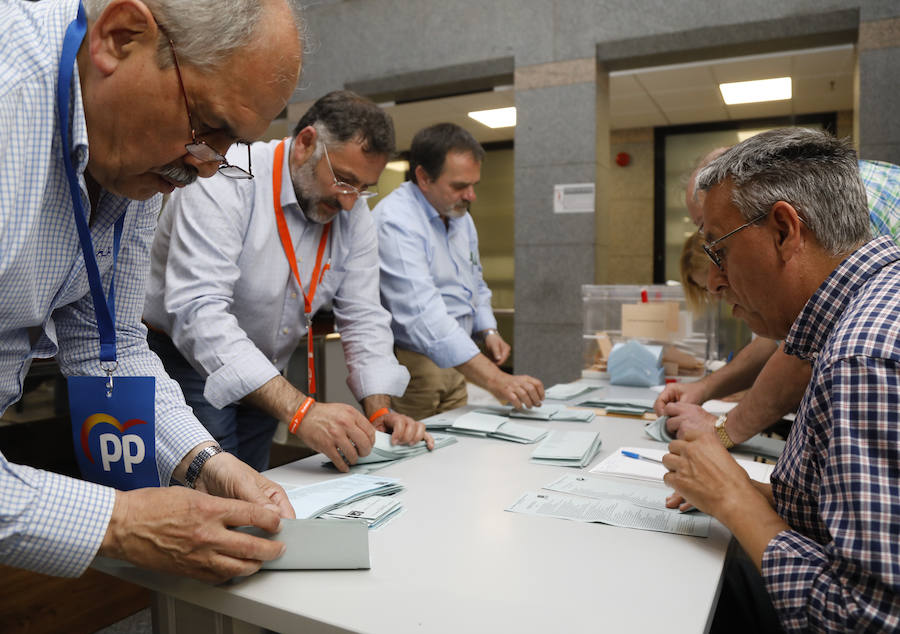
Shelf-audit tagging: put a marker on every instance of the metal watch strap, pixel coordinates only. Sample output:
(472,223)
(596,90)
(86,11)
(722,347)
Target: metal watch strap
(724,438)
(488,332)
(193,470)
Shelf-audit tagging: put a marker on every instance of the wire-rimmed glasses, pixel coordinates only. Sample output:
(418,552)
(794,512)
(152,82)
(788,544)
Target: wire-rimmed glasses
(198,148)
(346,188)
(710,247)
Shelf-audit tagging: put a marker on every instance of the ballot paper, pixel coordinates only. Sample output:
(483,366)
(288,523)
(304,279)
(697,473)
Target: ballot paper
(490,425)
(568,391)
(657,430)
(554,412)
(384,453)
(567,448)
(312,500)
(611,511)
(618,464)
(645,494)
(375,510)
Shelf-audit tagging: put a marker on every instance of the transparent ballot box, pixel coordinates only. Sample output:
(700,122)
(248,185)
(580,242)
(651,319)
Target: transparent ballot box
(656,314)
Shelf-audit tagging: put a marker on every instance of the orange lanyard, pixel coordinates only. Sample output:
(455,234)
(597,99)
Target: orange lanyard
(288,246)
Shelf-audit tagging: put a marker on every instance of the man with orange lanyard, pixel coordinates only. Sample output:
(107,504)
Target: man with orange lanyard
(239,267)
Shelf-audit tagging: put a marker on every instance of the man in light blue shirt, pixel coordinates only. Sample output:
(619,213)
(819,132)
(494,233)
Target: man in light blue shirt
(130,119)
(431,280)
(226,312)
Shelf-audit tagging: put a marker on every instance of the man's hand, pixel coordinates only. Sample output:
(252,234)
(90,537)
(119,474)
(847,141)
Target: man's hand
(704,474)
(497,349)
(686,416)
(226,476)
(339,431)
(519,390)
(177,530)
(406,431)
(693,392)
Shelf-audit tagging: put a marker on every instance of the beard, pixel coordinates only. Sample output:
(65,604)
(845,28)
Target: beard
(178,174)
(456,211)
(314,205)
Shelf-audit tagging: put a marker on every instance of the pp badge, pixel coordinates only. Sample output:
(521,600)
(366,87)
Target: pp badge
(115,436)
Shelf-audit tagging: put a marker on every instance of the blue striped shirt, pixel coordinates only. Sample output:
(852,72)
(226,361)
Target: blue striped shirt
(50,523)
(838,482)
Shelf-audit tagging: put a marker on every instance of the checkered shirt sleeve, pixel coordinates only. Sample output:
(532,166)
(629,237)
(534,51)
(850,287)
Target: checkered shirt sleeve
(838,483)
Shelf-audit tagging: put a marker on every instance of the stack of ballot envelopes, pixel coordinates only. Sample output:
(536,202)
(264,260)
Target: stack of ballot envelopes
(384,453)
(567,448)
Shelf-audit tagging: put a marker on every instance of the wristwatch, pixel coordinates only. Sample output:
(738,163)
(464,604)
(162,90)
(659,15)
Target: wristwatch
(193,470)
(488,332)
(724,438)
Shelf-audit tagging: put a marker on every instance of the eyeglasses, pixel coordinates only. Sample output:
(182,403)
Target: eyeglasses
(710,247)
(198,148)
(347,188)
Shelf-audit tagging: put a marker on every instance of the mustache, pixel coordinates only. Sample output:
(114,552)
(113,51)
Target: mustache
(178,174)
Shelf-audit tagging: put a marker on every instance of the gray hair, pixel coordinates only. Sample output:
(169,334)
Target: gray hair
(342,116)
(812,171)
(205,32)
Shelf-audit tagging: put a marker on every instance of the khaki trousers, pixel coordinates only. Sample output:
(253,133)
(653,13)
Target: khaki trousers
(431,389)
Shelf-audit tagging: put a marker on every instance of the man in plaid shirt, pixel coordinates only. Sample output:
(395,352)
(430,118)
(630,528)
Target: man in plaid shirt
(787,230)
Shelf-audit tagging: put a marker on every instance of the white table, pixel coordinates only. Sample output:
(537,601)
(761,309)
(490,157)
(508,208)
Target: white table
(455,561)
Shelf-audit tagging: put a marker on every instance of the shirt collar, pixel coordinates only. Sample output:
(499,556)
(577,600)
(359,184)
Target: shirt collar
(813,326)
(430,211)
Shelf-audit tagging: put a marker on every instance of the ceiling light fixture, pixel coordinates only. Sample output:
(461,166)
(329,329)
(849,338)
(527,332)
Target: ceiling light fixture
(775,89)
(496,118)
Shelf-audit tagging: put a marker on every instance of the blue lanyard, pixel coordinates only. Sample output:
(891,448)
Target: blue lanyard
(104,309)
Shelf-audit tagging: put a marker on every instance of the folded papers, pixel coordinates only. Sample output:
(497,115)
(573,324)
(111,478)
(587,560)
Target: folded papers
(491,425)
(636,364)
(567,448)
(315,499)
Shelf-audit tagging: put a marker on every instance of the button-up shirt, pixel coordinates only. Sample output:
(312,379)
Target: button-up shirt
(50,523)
(882,181)
(431,278)
(838,482)
(222,288)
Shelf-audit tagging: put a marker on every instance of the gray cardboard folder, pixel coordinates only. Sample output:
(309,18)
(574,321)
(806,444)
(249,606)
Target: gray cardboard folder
(319,544)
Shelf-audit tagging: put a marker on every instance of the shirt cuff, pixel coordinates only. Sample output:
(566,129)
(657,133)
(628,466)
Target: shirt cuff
(484,319)
(381,378)
(65,525)
(230,383)
(452,351)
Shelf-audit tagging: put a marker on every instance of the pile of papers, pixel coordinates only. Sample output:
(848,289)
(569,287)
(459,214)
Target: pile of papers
(624,503)
(554,412)
(384,453)
(619,464)
(621,400)
(636,364)
(568,391)
(490,425)
(567,448)
(316,500)
(374,510)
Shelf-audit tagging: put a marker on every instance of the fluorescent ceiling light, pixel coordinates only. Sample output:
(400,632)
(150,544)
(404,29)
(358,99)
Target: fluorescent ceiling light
(756,91)
(496,118)
(397,166)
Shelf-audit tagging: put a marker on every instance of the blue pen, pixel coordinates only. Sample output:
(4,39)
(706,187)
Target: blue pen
(637,456)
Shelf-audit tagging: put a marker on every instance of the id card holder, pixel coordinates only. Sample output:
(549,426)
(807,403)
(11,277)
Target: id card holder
(114,430)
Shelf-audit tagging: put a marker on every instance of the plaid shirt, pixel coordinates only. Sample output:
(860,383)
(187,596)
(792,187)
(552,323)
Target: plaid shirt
(50,523)
(882,181)
(838,482)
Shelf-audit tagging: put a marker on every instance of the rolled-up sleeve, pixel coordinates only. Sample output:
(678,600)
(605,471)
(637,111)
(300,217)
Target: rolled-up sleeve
(365,325)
